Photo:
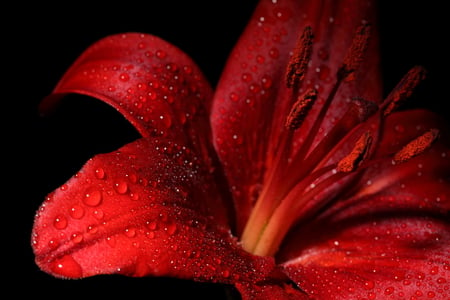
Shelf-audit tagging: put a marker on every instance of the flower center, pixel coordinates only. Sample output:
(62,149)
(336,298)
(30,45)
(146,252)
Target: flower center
(284,200)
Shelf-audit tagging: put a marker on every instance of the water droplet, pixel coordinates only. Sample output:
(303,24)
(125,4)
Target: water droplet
(99,173)
(274,53)
(92,197)
(121,187)
(389,290)
(111,241)
(160,54)
(166,120)
(171,228)
(260,59)
(134,196)
(152,225)
(66,266)
(441,280)
(124,77)
(234,97)
(53,244)
(77,237)
(60,222)
(266,81)
(282,13)
(92,229)
(434,270)
(130,232)
(368,285)
(323,72)
(246,77)
(76,211)
(98,214)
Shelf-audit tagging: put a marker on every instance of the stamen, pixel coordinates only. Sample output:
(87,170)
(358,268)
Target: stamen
(358,112)
(350,162)
(416,146)
(356,53)
(404,89)
(298,63)
(300,110)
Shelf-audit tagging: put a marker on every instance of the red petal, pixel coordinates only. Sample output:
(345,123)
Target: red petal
(370,258)
(251,101)
(153,84)
(137,212)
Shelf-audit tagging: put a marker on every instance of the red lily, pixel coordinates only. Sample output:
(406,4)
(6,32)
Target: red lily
(305,185)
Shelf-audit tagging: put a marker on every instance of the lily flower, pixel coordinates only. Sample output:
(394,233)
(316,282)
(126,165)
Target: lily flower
(294,179)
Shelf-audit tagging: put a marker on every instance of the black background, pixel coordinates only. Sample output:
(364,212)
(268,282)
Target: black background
(41,41)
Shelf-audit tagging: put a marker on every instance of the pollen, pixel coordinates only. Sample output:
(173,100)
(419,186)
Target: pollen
(404,89)
(416,146)
(351,162)
(300,110)
(298,63)
(356,52)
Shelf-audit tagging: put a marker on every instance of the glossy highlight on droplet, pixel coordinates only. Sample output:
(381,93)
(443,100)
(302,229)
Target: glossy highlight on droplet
(66,267)
(60,222)
(92,197)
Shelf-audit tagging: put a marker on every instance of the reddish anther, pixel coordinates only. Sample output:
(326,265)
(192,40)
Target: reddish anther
(356,52)
(350,162)
(298,63)
(416,146)
(300,110)
(404,89)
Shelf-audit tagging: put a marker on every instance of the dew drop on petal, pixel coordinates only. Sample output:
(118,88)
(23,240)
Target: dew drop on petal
(76,237)
(111,241)
(130,232)
(124,77)
(121,187)
(60,222)
(98,214)
(368,285)
(171,228)
(92,197)
(66,266)
(274,53)
(92,229)
(100,173)
(76,212)
(166,120)
(441,280)
(53,244)
(160,54)
(389,290)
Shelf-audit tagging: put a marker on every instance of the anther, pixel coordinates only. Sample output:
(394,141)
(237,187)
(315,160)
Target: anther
(351,162)
(298,63)
(404,89)
(356,52)
(416,146)
(300,110)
